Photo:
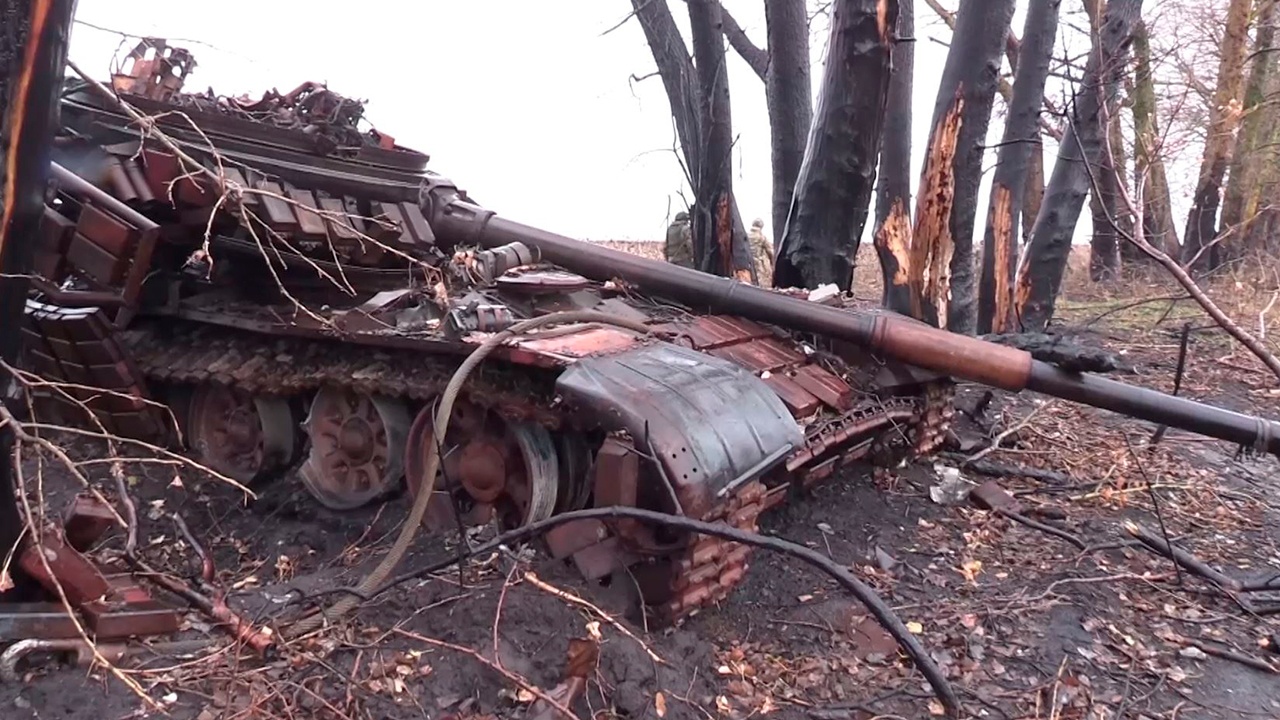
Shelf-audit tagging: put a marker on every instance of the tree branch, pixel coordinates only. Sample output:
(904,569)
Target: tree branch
(755,56)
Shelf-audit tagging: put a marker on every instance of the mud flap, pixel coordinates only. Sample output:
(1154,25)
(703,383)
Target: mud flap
(712,424)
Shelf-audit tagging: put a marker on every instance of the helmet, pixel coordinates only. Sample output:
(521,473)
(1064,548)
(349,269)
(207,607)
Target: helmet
(757,223)
(682,216)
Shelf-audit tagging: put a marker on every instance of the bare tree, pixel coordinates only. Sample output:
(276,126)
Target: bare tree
(1020,144)
(1044,264)
(1224,114)
(893,188)
(837,177)
(1160,229)
(687,100)
(784,67)
(1240,201)
(1110,219)
(31,66)
(719,243)
(969,79)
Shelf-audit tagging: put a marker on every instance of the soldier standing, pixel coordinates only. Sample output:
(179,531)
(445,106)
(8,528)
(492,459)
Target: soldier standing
(761,253)
(679,246)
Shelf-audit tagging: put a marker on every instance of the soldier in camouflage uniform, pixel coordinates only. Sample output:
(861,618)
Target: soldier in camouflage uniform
(761,253)
(679,246)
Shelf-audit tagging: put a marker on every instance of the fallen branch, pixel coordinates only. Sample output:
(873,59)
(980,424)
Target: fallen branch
(1228,654)
(995,444)
(514,678)
(571,598)
(1186,560)
(864,593)
(994,469)
(1236,590)
(260,640)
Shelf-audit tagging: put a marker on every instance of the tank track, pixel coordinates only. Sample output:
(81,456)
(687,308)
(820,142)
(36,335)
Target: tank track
(704,572)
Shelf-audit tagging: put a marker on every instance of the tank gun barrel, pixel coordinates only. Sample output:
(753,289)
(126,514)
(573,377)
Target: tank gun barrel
(968,358)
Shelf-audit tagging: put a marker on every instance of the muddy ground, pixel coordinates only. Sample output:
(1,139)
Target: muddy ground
(1025,624)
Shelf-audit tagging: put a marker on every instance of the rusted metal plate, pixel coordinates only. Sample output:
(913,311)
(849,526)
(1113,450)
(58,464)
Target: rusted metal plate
(417,225)
(98,264)
(589,341)
(279,216)
(340,227)
(43,620)
(106,230)
(389,215)
(714,331)
(710,422)
(78,578)
(800,402)
(310,224)
(114,620)
(825,386)
(763,355)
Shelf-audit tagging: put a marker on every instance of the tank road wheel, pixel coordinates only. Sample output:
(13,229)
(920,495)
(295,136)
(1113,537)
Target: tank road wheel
(493,468)
(357,447)
(242,436)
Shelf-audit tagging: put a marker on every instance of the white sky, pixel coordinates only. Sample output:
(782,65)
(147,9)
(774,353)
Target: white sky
(522,103)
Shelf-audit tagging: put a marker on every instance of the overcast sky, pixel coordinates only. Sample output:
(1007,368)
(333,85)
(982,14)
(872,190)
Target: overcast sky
(525,104)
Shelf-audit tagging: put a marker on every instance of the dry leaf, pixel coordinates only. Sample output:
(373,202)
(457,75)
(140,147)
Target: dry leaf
(6,582)
(935,708)
(970,570)
(914,627)
(660,704)
(722,705)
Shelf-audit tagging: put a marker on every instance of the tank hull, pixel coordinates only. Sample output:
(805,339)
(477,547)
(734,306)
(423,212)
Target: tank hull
(286,308)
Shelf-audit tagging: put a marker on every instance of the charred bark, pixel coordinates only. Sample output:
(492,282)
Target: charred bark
(1239,206)
(1033,196)
(1148,162)
(33,52)
(893,188)
(1040,273)
(789,93)
(719,242)
(929,269)
(1202,221)
(837,177)
(972,71)
(1020,144)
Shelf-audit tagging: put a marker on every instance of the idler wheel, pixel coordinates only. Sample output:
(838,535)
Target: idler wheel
(357,447)
(490,468)
(242,436)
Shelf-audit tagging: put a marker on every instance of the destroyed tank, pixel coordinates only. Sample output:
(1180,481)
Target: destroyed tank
(295,293)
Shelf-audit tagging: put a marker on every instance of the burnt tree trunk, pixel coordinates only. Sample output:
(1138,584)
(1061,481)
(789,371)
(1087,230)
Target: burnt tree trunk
(1148,161)
(719,239)
(33,52)
(972,72)
(893,189)
(1202,221)
(1020,144)
(789,93)
(1041,271)
(680,80)
(837,177)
